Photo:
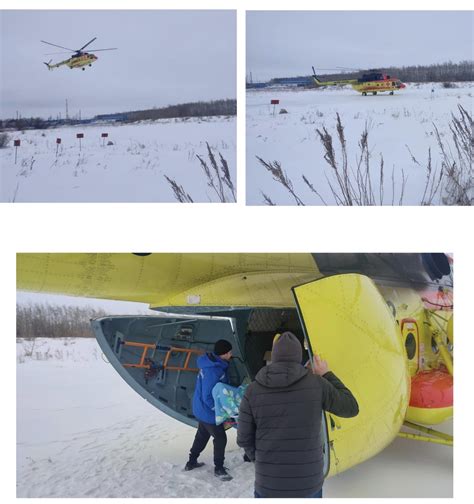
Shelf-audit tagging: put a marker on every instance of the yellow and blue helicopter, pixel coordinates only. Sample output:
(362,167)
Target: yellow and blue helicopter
(80,58)
(384,323)
(373,81)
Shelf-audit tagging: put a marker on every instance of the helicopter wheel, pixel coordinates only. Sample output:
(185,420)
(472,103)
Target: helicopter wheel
(391,92)
(364,94)
(90,64)
(83,69)
(374,93)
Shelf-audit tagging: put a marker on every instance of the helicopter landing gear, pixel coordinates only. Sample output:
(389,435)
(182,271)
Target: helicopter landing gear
(90,65)
(374,92)
(364,94)
(391,92)
(83,69)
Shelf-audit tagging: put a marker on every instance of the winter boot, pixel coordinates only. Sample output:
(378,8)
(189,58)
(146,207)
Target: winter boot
(193,464)
(222,474)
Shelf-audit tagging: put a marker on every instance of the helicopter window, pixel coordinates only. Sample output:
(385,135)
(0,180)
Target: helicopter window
(393,83)
(410,346)
(434,346)
(450,345)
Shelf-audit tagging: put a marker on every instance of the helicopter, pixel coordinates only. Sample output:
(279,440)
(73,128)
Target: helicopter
(373,81)
(80,58)
(384,322)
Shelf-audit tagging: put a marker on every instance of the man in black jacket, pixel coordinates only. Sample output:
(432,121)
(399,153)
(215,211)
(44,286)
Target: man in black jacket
(280,421)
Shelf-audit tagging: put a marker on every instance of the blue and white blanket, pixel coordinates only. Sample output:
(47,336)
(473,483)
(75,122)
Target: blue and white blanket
(227,401)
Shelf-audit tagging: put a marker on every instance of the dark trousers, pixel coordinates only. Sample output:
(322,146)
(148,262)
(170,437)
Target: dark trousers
(317,495)
(204,432)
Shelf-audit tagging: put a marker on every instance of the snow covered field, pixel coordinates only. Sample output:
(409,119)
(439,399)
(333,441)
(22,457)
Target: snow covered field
(83,432)
(394,122)
(132,169)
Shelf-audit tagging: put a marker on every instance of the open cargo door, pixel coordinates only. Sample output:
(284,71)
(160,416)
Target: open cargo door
(156,355)
(347,322)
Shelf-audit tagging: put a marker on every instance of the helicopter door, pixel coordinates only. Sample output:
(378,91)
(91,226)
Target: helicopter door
(347,322)
(411,340)
(156,355)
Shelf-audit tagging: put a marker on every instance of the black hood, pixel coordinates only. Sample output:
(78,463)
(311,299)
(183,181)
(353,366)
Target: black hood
(280,374)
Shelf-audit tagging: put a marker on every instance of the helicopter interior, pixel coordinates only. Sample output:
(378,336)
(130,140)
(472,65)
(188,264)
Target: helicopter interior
(157,355)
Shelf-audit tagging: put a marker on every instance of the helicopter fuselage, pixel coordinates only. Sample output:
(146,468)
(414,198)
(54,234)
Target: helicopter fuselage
(79,61)
(368,83)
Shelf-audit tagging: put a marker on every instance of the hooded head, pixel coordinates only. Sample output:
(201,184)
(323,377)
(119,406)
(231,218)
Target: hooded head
(287,348)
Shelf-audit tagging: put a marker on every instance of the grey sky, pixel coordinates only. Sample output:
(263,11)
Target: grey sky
(289,42)
(163,57)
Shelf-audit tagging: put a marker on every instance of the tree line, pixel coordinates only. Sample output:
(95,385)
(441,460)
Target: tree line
(439,72)
(47,321)
(192,109)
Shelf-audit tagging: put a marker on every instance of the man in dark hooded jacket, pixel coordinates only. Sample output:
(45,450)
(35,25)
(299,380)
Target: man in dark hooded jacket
(212,369)
(280,421)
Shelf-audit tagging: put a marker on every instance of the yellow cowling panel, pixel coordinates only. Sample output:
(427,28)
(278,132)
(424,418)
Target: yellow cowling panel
(429,416)
(348,322)
(170,279)
(450,330)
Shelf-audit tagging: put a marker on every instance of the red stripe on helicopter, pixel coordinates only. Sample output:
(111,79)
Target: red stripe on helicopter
(432,389)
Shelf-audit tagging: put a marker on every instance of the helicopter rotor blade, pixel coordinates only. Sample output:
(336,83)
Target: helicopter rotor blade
(51,53)
(353,69)
(109,49)
(84,46)
(56,45)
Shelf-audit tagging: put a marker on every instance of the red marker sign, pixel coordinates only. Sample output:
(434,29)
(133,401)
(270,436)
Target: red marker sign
(16,144)
(275,102)
(58,140)
(80,135)
(104,135)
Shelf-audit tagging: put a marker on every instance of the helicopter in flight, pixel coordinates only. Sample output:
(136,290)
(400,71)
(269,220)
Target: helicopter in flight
(373,81)
(79,59)
(383,321)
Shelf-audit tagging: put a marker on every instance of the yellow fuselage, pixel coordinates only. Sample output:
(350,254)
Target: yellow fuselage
(76,61)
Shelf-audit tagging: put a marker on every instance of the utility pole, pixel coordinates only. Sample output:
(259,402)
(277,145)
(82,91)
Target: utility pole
(67,113)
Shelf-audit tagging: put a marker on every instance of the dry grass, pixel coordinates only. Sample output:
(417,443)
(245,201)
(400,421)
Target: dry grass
(362,184)
(456,159)
(218,179)
(4,139)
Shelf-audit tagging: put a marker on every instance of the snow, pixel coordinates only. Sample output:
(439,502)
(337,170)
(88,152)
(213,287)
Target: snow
(130,170)
(405,119)
(83,432)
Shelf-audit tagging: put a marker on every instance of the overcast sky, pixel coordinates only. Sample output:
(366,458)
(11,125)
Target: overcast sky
(163,58)
(289,43)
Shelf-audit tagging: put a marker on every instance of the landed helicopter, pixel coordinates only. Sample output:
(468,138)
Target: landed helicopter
(373,82)
(80,58)
(382,321)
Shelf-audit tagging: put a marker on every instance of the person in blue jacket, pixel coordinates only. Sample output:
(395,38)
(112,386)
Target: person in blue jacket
(212,369)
